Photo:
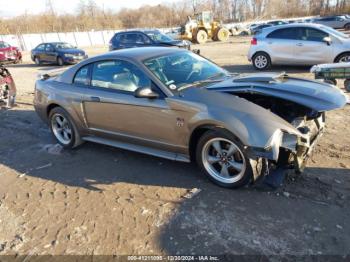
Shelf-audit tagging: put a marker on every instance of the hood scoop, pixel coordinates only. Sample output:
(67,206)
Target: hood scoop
(262,77)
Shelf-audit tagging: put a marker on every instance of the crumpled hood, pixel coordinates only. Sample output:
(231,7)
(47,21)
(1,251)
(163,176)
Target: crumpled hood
(313,94)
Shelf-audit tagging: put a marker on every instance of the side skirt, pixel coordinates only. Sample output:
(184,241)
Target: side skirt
(139,149)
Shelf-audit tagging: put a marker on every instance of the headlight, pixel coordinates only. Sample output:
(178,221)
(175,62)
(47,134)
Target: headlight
(68,55)
(289,141)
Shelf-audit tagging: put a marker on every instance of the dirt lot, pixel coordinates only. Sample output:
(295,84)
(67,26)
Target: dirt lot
(102,200)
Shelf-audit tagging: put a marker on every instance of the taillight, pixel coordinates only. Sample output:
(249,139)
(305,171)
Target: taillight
(254,41)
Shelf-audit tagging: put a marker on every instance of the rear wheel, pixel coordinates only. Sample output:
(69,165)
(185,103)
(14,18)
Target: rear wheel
(221,157)
(261,61)
(343,58)
(37,60)
(201,37)
(347,26)
(63,128)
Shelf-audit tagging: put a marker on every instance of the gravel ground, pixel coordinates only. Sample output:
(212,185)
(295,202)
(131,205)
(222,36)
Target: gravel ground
(101,200)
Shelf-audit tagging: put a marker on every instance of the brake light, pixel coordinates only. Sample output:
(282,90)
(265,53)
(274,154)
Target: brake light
(254,41)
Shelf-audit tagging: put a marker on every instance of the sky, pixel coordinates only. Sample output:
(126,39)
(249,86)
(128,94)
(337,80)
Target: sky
(10,8)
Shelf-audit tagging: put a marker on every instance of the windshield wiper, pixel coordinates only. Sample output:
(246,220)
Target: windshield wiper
(196,83)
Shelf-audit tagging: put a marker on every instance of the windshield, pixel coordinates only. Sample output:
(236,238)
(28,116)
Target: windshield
(181,70)
(63,46)
(4,45)
(159,37)
(334,32)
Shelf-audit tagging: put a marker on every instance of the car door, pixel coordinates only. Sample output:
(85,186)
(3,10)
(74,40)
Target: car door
(112,110)
(311,49)
(281,44)
(50,53)
(39,52)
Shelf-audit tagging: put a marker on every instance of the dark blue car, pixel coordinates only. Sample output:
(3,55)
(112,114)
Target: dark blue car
(59,53)
(142,38)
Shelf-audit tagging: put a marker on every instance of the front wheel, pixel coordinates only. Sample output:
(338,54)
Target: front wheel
(261,61)
(60,61)
(221,157)
(347,26)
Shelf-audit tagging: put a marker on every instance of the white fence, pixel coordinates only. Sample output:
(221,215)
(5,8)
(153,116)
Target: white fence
(27,42)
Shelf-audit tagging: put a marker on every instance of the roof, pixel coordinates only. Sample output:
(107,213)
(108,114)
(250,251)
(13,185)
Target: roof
(140,53)
(144,30)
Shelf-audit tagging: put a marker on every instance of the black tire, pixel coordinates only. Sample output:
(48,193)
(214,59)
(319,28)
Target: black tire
(261,61)
(201,36)
(347,26)
(242,180)
(347,85)
(343,58)
(60,61)
(331,81)
(37,60)
(75,137)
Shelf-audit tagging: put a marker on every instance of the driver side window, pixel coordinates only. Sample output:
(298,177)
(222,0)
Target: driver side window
(118,75)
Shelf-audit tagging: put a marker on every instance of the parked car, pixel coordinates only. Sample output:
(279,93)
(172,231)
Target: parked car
(277,22)
(142,38)
(336,22)
(255,29)
(298,44)
(7,87)
(172,103)
(59,53)
(9,54)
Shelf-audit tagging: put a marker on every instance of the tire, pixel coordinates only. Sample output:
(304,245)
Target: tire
(72,138)
(222,34)
(347,85)
(331,81)
(232,170)
(343,58)
(37,60)
(201,37)
(261,61)
(347,26)
(60,61)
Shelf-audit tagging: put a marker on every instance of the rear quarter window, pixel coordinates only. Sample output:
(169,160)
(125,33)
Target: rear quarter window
(82,77)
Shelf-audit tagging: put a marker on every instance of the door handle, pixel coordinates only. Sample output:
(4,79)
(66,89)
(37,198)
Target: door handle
(299,44)
(95,99)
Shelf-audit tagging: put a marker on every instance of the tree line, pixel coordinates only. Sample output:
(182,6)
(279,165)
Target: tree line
(89,16)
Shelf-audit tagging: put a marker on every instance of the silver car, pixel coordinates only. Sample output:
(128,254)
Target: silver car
(175,104)
(298,44)
(337,21)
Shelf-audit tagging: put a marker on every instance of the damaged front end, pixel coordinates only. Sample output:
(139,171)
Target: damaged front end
(7,87)
(289,151)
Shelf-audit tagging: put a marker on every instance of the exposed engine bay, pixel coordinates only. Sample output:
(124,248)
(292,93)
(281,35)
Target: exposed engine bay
(294,151)
(7,87)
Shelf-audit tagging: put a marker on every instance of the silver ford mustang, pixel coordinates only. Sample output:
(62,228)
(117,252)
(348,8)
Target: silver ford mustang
(174,104)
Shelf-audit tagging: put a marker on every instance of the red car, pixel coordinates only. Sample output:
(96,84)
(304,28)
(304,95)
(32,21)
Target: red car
(9,53)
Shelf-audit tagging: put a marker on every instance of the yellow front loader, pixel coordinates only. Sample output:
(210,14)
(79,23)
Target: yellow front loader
(203,27)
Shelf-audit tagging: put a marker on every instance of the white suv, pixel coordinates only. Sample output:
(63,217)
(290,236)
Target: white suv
(298,44)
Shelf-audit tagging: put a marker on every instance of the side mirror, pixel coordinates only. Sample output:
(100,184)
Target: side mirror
(327,40)
(146,92)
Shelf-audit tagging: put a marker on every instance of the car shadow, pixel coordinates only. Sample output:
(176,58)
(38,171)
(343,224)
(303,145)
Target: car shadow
(247,68)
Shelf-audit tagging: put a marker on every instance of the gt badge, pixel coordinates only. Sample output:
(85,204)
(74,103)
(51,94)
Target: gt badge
(180,122)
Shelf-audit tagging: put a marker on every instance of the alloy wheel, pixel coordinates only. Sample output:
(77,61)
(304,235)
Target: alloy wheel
(260,61)
(223,160)
(61,129)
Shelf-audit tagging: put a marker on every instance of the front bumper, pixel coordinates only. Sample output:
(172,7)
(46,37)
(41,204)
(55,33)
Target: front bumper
(74,59)
(291,151)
